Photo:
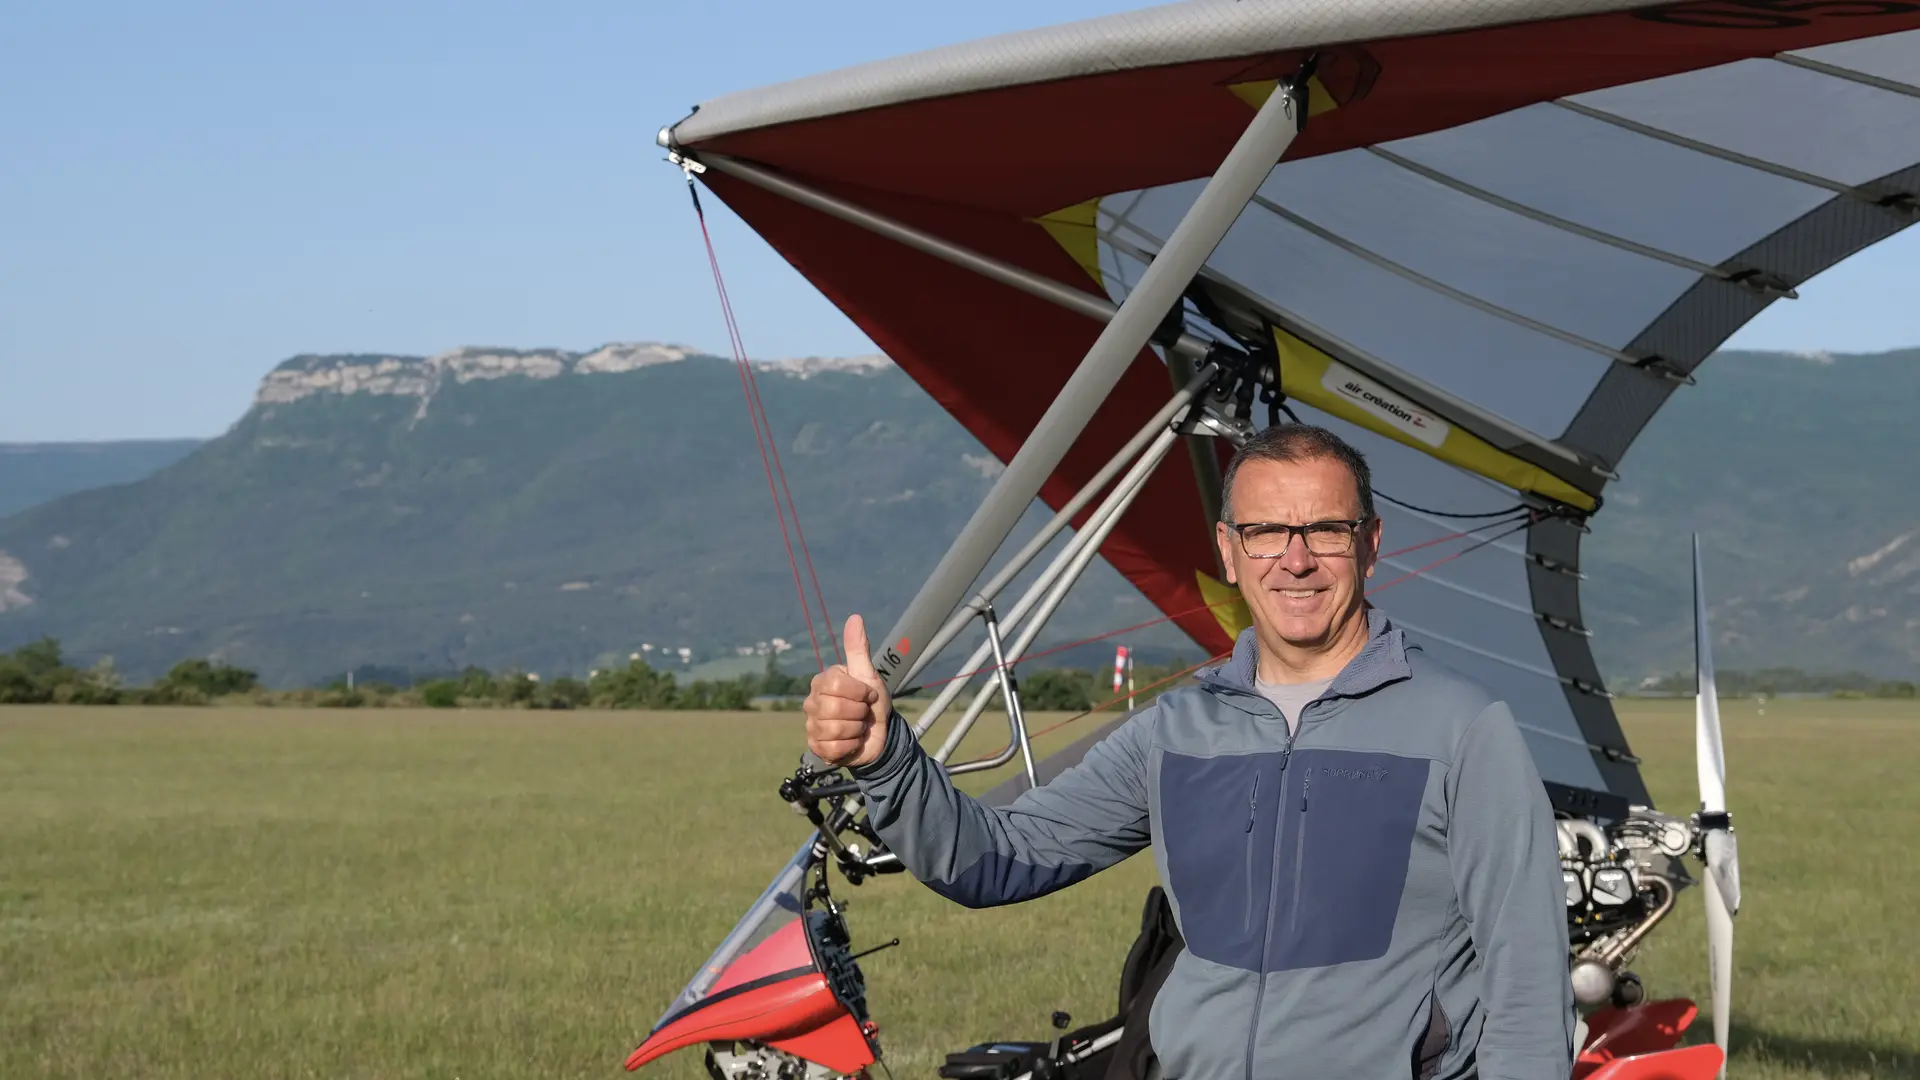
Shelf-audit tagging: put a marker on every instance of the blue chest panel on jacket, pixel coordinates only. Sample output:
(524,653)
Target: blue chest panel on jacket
(1282,861)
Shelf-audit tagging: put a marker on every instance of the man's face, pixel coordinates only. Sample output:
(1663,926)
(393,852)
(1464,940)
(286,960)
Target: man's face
(1303,599)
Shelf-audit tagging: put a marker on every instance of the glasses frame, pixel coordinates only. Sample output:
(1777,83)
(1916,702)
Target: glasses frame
(1239,529)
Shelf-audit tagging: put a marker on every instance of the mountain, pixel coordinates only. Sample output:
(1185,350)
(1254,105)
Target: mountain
(1797,471)
(33,473)
(534,508)
(556,510)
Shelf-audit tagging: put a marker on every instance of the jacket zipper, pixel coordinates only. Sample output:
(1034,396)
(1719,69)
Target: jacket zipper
(1299,853)
(1253,806)
(1273,887)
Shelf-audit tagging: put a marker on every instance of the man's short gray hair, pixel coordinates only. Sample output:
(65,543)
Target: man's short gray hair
(1291,444)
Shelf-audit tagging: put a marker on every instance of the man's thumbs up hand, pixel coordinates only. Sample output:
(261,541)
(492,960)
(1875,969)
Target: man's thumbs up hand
(847,710)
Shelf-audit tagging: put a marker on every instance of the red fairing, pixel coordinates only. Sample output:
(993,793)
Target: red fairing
(1692,1063)
(840,1045)
(774,994)
(1642,1029)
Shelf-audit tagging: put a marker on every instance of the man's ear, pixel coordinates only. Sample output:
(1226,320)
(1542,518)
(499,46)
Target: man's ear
(1373,529)
(1223,536)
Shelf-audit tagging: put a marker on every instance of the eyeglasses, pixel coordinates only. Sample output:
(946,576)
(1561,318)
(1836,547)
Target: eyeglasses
(1270,540)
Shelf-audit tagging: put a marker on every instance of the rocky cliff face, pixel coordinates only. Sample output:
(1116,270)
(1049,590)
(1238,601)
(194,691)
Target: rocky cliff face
(423,376)
(13,573)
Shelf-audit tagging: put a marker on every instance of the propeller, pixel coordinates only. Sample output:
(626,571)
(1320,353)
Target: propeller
(1722,855)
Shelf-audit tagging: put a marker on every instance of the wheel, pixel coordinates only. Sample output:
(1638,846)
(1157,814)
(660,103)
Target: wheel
(1628,992)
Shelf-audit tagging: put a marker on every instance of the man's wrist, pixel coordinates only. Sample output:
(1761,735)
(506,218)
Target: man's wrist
(894,752)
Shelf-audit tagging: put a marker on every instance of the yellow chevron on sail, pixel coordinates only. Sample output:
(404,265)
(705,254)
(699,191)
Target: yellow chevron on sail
(1319,99)
(1311,375)
(1076,228)
(1228,606)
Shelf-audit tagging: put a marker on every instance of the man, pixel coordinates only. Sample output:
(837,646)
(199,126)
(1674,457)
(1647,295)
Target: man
(1356,844)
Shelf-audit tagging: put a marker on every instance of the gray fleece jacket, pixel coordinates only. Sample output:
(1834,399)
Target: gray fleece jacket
(1378,895)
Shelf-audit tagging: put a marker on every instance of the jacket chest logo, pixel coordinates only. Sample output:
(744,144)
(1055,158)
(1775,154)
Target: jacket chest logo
(1338,772)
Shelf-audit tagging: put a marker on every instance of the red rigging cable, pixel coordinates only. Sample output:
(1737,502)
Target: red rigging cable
(762,436)
(1110,702)
(753,385)
(1461,535)
(1521,526)
(770,449)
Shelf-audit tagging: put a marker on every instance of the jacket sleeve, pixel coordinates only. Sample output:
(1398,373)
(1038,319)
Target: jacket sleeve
(1506,871)
(1083,821)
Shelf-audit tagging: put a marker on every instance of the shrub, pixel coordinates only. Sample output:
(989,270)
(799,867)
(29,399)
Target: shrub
(169,693)
(636,686)
(211,679)
(37,674)
(1057,690)
(339,697)
(565,693)
(440,694)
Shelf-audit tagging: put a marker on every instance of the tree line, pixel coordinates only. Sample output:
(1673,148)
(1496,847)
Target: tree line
(1772,682)
(38,674)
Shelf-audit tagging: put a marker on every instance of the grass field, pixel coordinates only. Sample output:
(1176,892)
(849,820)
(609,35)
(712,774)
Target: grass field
(302,893)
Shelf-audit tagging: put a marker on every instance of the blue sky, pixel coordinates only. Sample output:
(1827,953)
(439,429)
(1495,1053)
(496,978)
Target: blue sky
(192,192)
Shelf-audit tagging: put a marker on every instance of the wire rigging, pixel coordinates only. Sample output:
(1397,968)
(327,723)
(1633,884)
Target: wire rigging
(1277,404)
(1516,508)
(753,385)
(1469,549)
(763,439)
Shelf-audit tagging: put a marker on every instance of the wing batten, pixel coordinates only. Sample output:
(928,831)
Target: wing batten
(1598,236)
(1850,75)
(1734,157)
(1459,295)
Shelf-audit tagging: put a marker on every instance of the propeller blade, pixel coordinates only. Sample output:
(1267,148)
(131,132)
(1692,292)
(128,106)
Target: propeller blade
(1723,864)
(1719,961)
(1721,884)
(1710,758)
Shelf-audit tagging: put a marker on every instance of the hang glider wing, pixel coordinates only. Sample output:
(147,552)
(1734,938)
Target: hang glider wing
(1510,229)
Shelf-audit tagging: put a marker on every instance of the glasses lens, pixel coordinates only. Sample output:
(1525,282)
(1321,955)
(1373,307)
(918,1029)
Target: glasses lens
(1265,541)
(1330,538)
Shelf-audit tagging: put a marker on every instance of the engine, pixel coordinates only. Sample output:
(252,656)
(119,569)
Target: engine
(753,1061)
(1620,881)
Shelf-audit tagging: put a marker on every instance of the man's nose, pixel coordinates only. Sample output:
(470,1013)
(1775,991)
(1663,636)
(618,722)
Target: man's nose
(1298,559)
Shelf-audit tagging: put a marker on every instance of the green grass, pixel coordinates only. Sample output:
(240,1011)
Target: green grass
(232,893)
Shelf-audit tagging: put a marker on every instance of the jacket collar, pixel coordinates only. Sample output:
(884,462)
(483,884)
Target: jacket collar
(1383,659)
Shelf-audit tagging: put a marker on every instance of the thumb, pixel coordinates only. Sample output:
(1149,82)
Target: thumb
(859,658)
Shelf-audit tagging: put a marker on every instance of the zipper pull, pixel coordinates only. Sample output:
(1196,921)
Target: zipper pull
(1304,790)
(1253,801)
